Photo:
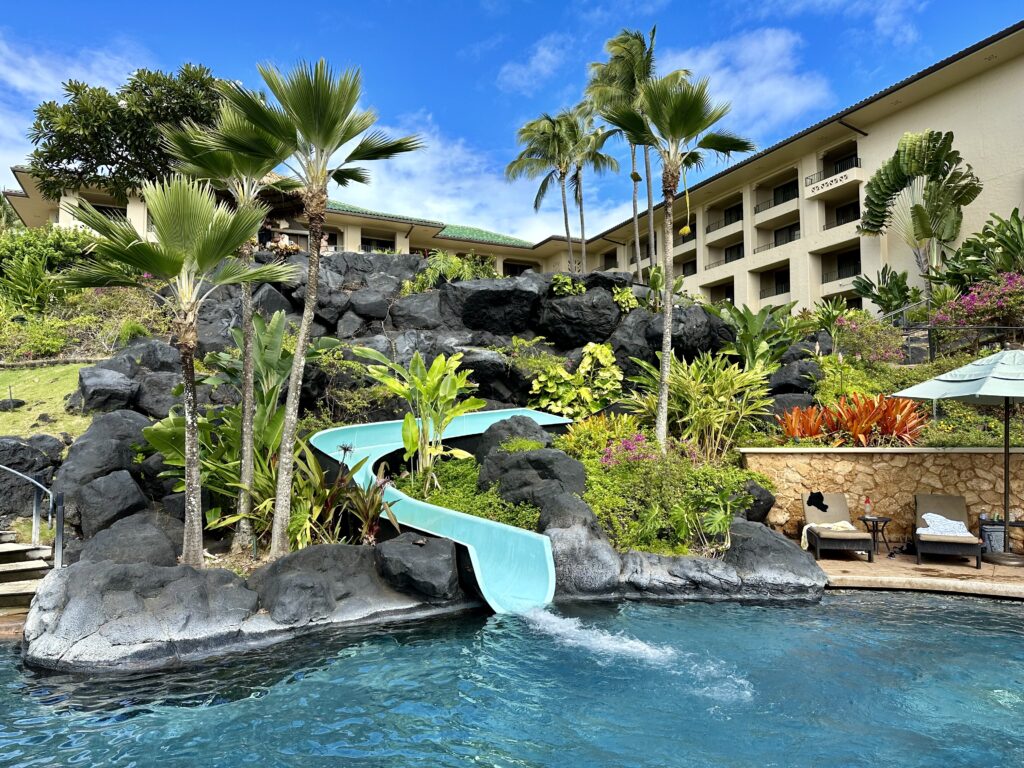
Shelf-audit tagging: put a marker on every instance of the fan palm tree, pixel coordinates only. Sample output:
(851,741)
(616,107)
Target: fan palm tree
(920,192)
(316,117)
(676,119)
(588,154)
(244,176)
(548,154)
(193,256)
(619,81)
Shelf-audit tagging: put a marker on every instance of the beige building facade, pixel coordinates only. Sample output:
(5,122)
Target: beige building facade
(778,226)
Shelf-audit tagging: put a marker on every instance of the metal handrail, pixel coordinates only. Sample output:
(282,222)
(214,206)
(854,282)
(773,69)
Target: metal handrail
(55,510)
(902,312)
(775,290)
(772,202)
(840,274)
(833,223)
(837,168)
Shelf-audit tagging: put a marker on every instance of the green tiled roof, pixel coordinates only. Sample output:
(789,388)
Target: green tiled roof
(459,232)
(447,231)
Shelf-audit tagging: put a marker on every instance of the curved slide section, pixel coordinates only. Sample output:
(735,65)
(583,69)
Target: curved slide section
(514,568)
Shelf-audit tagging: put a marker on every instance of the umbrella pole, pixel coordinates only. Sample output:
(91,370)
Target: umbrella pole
(1006,475)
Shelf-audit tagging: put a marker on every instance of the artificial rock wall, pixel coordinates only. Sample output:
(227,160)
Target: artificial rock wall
(891,477)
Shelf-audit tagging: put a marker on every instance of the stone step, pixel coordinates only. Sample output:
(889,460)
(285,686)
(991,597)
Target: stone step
(18,593)
(26,569)
(14,553)
(8,537)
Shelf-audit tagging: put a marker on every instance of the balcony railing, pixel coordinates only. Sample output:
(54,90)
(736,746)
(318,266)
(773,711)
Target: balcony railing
(769,246)
(719,223)
(850,270)
(776,290)
(837,168)
(773,202)
(832,224)
(715,263)
(680,239)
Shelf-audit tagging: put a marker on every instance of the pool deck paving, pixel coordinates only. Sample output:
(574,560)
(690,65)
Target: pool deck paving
(935,574)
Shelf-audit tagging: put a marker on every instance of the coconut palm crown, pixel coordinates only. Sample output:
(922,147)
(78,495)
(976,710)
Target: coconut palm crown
(193,255)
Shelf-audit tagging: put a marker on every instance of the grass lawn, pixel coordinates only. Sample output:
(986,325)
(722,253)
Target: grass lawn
(43,390)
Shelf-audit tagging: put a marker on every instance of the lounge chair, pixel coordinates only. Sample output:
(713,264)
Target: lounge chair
(951,508)
(847,541)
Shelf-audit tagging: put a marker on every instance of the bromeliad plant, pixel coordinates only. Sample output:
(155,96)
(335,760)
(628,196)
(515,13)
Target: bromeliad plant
(591,387)
(436,395)
(858,420)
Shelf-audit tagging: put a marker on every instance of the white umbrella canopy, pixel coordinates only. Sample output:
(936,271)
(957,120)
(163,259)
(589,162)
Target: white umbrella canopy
(994,380)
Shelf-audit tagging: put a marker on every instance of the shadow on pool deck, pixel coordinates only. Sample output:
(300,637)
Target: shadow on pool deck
(935,574)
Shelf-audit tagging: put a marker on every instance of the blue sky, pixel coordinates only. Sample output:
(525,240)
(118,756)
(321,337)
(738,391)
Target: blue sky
(466,74)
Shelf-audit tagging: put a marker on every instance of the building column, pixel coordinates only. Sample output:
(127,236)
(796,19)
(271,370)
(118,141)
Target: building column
(65,219)
(401,242)
(138,215)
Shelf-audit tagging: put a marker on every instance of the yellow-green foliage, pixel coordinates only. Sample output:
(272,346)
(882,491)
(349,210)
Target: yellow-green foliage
(594,384)
(521,445)
(43,390)
(22,528)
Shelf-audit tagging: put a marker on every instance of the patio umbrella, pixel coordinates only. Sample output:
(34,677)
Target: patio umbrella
(994,380)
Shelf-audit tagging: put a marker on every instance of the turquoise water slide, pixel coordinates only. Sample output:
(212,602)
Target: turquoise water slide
(514,568)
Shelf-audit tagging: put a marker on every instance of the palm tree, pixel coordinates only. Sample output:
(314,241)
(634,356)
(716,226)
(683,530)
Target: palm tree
(316,117)
(920,192)
(676,119)
(194,254)
(588,143)
(244,176)
(548,155)
(619,81)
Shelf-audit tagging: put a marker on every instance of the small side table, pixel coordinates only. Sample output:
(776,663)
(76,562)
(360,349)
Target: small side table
(876,525)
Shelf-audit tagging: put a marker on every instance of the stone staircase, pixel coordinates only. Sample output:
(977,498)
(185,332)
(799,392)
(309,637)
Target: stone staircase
(22,568)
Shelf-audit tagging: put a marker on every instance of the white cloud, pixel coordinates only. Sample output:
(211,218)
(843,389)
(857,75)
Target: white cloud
(891,20)
(453,182)
(29,76)
(760,73)
(546,57)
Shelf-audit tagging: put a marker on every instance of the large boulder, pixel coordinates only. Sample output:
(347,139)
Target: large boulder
(629,341)
(694,330)
(421,564)
(762,502)
(16,494)
(608,280)
(788,401)
(156,393)
(152,354)
(522,427)
(572,321)
(104,389)
(419,311)
(585,561)
(214,323)
(503,305)
(349,325)
(106,446)
(816,344)
(145,537)
(370,303)
(800,376)
(532,477)
(118,617)
(678,577)
(325,582)
(107,499)
(267,300)
(772,566)
(495,378)
(50,446)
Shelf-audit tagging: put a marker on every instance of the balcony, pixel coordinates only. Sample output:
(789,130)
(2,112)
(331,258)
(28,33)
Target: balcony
(833,223)
(835,181)
(720,230)
(844,272)
(779,289)
(769,246)
(771,213)
(728,258)
(684,245)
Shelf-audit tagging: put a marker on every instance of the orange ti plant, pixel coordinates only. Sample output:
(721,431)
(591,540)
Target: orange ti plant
(858,420)
(800,422)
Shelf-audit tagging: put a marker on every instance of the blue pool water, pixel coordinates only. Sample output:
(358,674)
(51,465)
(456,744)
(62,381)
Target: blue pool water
(861,680)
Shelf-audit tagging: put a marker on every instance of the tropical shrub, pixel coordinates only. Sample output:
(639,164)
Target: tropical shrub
(656,285)
(826,316)
(890,291)
(26,284)
(564,285)
(456,488)
(366,503)
(858,420)
(998,248)
(625,299)
(529,356)
(590,437)
(712,402)
(57,247)
(862,336)
(592,386)
(761,337)
(999,302)
(444,267)
(435,395)
(521,445)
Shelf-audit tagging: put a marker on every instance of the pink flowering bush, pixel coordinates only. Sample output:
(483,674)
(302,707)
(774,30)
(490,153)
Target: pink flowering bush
(862,336)
(635,448)
(993,302)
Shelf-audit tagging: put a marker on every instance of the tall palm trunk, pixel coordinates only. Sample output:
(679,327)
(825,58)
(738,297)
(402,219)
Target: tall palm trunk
(583,231)
(243,533)
(650,207)
(565,217)
(192,544)
(315,203)
(636,213)
(669,185)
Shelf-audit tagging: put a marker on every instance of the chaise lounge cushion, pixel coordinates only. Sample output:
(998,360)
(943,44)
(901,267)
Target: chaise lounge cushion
(949,539)
(824,533)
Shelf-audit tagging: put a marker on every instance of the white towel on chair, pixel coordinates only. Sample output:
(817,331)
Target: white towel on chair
(942,526)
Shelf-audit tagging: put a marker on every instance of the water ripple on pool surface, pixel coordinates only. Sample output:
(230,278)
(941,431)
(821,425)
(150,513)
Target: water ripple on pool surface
(863,679)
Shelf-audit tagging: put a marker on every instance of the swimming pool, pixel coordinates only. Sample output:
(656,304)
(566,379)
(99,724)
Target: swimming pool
(862,679)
